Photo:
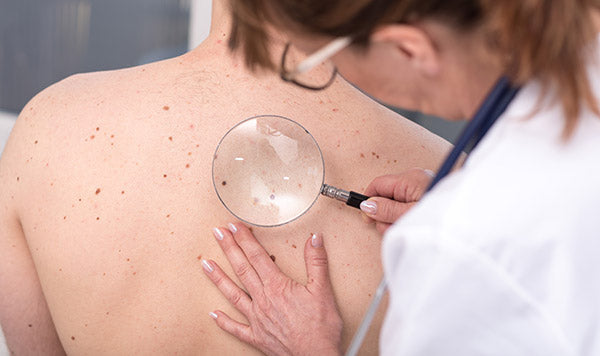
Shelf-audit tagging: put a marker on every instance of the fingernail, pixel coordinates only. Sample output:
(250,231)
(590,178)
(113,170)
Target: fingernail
(429,172)
(207,267)
(316,241)
(213,315)
(232,228)
(369,207)
(218,234)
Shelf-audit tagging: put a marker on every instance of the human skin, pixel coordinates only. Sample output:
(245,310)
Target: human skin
(107,203)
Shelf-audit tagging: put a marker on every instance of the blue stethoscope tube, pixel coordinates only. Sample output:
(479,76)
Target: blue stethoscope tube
(494,105)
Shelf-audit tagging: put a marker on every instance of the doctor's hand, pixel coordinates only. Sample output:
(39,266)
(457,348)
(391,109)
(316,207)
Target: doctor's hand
(393,195)
(284,316)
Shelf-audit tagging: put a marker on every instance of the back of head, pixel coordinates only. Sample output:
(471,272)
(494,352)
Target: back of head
(546,40)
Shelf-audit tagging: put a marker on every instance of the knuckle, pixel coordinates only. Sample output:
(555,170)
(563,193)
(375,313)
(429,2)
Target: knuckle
(242,269)
(235,298)
(319,261)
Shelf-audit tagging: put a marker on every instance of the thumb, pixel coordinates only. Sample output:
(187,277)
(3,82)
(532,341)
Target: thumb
(384,210)
(317,265)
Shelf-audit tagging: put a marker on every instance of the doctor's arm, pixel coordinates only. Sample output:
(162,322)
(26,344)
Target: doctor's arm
(24,314)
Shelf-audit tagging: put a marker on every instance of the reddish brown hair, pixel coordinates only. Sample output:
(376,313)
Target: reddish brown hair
(548,40)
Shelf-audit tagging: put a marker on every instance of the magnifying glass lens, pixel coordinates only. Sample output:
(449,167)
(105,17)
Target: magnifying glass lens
(268,170)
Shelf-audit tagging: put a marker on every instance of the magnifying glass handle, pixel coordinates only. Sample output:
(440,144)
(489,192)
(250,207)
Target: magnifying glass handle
(352,199)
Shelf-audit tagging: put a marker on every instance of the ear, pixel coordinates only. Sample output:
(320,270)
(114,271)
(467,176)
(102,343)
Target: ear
(414,43)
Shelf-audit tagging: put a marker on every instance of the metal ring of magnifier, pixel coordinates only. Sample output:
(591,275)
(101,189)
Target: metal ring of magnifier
(319,162)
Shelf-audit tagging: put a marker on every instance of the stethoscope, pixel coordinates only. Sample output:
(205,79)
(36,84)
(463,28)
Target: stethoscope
(488,113)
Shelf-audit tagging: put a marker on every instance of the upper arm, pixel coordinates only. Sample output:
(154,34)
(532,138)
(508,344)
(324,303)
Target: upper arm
(24,314)
(449,299)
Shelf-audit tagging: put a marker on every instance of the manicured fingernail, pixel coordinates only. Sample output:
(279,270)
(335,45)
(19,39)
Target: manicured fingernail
(213,315)
(369,207)
(232,228)
(429,172)
(218,234)
(207,267)
(316,241)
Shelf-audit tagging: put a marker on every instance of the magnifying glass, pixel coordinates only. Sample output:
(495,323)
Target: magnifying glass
(268,170)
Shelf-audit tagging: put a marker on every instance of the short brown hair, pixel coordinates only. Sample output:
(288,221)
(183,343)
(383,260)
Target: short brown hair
(548,40)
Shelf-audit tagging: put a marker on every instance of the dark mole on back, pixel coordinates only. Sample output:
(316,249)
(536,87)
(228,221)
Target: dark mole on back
(223,183)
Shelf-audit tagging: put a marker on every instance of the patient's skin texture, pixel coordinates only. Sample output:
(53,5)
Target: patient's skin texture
(107,203)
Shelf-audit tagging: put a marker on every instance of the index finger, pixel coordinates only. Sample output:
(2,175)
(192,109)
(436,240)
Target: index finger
(264,266)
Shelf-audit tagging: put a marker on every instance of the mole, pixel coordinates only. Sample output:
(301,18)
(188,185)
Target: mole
(187,165)
(18,179)
(272,258)
(92,137)
(164,176)
(97,129)
(97,191)
(30,325)
(122,192)
(166,108)
(170,138)
(362,155)
(223,183)
(294,246)
(72,337)
(97,218)
(36,142)
(272,196)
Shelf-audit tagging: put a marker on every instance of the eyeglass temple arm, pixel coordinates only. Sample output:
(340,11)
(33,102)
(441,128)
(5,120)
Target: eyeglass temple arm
(321,55)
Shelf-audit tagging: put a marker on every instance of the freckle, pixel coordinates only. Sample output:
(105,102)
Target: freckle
(112,144)
(72,337)
(92,137)
(191,126)
(97,218)
(199,257)
(64,218)
(170,138)
(86,325)
(219,41)
(166,108)
(97,191)
(320,101)
(395,161)
(334,110)
(134,273)
(168,215)
(112,136)
(362,155)
(227,76)
(30,325)
(388,161)
(377,156)
(79,199)
(122,192)
(172,232)
(223,183)
(294,246)
(250,228)
(299,185)
(272,258)
(373,153)
(198,145)
(106,313)
(164,176)
(104,274)
(60,269)
(18,179)
(52,184)
(187,165)
(128,260)
(36,142)
(189,153)
(369,294)
(97,129)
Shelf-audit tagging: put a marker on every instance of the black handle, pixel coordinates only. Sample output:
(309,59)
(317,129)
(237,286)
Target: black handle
(355,199)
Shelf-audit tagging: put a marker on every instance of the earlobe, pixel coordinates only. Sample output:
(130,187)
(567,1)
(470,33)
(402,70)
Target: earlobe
(414,43)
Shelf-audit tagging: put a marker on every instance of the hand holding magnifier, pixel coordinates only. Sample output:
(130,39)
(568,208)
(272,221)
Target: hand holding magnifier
(268,170)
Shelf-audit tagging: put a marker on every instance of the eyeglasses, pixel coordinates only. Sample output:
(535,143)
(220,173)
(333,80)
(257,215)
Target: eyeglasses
(312,72)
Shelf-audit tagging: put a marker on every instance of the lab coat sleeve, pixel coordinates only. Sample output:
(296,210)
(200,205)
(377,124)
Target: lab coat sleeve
(447,298)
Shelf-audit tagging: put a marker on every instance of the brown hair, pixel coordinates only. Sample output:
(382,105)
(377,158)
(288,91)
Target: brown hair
(548,40)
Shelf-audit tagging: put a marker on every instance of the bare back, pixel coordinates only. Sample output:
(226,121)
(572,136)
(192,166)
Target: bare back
(106,188)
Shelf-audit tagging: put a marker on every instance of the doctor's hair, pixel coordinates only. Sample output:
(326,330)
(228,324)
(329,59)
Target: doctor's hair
(546,40)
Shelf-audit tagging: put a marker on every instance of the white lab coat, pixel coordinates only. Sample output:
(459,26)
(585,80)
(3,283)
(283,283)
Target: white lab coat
(503,256)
